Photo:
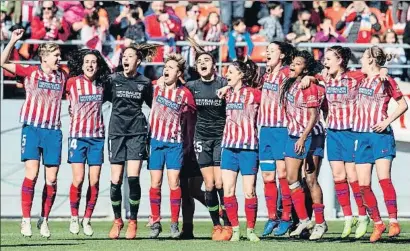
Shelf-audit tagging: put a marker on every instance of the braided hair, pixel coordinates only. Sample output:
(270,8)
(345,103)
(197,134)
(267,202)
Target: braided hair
(343,53)
(312,67)
(250,71)
(76,61)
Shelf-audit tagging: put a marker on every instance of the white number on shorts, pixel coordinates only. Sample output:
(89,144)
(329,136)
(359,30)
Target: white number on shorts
(355,144)
(73,144)
(23,140)
(198,146)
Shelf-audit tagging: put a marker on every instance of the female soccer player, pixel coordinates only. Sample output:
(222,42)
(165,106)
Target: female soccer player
(301,108)
(88,72)
(375,142)
(240,144)
(41,134)
(166,148)
(128,132)
(208,136)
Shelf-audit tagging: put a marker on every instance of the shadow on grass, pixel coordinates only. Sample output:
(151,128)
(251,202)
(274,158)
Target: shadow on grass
(337,239)
(40,244)
(136,239)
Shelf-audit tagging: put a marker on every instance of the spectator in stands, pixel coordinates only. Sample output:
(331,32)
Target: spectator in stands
(239,34)
(400,22)
(302,30)
(136,30)
(359,23)
(375,40)
(89,6)
(190,23)
(271,26)
(317,14)
(406,40)
(5,23)
(92,34)
(73,13)
(231,10)
(212,31)
(398,54)
(335,12)
(327,34)
(48,25)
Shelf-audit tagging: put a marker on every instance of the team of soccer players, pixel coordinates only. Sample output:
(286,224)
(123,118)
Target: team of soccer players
(239,128)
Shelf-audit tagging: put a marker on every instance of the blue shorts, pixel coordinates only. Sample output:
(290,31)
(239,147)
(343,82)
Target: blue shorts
(272,141)
(290,147)
(86,150)
(372,146)
(165,153)
(242,160)
(37,141)
(317,147)
(340,145)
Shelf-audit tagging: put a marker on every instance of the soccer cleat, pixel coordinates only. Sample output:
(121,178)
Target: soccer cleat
(236,234)
(25,229)
(282,228)
(116,229)
(394,229)
(42,224)
(300,227)
(87,229)
(318,231)
(217,233)
(347,229)
(361,228)
(156,229)
(150,222)
(175,233)
(131,230)
(250,234)
(74,225)
(226,233)
(186,235)
(378,230)
(269,226)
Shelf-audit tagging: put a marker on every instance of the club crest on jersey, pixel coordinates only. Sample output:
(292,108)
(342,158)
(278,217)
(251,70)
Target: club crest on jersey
(140,87)
(179,99)
(344,82)
(242,98)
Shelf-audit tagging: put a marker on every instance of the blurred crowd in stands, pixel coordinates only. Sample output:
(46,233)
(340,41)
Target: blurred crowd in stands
(97,23)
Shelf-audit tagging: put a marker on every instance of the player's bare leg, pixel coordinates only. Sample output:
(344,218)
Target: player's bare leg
(27,194)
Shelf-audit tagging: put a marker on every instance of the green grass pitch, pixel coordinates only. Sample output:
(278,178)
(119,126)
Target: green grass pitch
(61,239)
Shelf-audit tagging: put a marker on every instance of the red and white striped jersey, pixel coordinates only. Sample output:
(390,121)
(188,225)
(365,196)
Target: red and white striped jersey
(240,130)
(44,92)
(271,112)
(372,102)
(341,95)
(166,111)
(319,128)
(86,99)
(297,103)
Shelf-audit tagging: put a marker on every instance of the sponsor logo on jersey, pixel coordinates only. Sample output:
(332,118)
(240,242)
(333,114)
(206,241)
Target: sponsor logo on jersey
(336,89)
(128,94)
(234,106)
(270,86)
(366,91)
(49,86)
(90,98)
(208,102)
(168,103)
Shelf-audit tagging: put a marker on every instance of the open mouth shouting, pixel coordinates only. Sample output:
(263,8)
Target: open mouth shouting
(126,67)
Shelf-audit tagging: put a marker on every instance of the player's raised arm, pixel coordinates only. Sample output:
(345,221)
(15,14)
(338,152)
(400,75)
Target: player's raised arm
(5,54)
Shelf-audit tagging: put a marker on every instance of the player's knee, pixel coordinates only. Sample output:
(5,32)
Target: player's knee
(250,194)
(209,186)
(116,180)
(311,182)
(291,179)
(218,184)
(173,183)
(268,177)
(78,180)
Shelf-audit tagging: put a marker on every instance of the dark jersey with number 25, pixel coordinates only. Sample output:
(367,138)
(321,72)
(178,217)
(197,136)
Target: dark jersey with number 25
(210,109)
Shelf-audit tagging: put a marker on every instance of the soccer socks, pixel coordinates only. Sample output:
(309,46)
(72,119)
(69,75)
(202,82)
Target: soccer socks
(358,198)
(343,197)
(92,196)
(175,199)
(286,199)
(135,196)
(251,209)
(231,206)
(224,214)
(298,199)
(155,202)
(390,198)
(271,197)
(27,194)
(75,196)
(371,203)
(211,200)
(318,209)
(116,198)
(49,195)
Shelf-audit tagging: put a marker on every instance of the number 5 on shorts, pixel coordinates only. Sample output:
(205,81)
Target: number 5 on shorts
(198,146)
(23,140)
(73,144)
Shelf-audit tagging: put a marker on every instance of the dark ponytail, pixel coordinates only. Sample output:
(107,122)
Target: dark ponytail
(250,71)
(287,49)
